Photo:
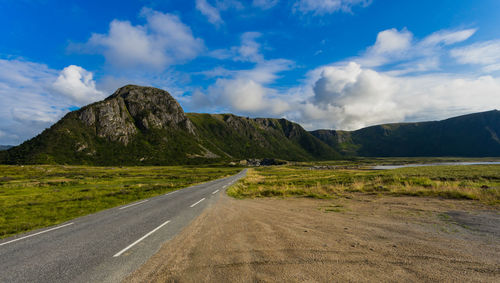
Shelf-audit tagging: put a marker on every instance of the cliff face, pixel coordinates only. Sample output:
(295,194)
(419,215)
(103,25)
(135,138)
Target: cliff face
(132,109)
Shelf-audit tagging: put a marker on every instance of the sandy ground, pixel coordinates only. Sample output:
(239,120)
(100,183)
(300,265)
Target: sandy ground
(365,238)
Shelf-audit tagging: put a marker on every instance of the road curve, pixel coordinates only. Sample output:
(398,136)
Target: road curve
(108,245)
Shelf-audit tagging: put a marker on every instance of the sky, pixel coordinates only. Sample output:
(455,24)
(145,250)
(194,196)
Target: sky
(325,64)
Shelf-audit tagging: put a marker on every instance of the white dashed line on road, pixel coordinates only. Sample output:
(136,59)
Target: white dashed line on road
(197,202)
(51,229)
(133,204)
(142,238)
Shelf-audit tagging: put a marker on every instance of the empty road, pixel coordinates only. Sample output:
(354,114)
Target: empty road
(108,245)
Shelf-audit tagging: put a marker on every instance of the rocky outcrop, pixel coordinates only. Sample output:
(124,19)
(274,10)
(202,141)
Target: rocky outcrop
(132,109)
(109,119)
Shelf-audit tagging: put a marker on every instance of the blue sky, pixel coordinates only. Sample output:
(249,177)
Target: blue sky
(338,64)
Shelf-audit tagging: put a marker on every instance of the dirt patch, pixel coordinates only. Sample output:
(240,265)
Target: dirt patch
(366,238)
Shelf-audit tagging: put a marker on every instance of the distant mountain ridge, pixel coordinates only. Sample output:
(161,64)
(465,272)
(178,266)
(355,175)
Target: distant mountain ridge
(472,135)
(5,147)
(146,126)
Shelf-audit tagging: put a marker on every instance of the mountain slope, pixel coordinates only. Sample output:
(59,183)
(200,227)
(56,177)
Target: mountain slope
(135,125)
(473,135)
(144,125)
(241,137)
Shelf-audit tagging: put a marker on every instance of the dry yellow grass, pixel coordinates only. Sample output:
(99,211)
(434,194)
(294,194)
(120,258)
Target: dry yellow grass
(480,182)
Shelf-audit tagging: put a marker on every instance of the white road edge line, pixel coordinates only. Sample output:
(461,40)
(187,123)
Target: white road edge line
(197,202)
(170,193)
(133,204)
(51,229)
(216,191)
(142,238)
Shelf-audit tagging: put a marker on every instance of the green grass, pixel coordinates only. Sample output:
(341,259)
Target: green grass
(479,182)
(32,197)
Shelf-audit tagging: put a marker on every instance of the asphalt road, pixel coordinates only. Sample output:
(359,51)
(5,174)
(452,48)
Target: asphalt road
(108,245)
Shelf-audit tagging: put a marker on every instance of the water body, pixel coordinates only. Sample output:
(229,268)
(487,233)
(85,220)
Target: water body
(388,167)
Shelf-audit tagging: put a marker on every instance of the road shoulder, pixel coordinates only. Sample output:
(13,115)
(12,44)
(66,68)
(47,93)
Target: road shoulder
(364,238)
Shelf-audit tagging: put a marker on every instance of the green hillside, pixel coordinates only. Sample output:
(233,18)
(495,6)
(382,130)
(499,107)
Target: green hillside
(473,135)
(146,126)
(240,137)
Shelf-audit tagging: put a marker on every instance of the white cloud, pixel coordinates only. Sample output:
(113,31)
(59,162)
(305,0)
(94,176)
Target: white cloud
(390,45)
(321,7)
(485,53)
(164,40)
(248,96)
(352,94)
(410,54)
(28,100)
(392,40)
(244,91)
(77,84)
(447,37)
(266,71)
(265,4)
(350,97)
(249,50)
(213,12)
(397,79)
(209,11)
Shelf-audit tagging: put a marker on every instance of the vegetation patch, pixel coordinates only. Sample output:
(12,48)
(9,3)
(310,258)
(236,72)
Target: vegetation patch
(475,182)
(33,197)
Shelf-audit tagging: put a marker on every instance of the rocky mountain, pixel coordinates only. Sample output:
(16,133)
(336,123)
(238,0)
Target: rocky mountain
(144,125)
(473,135)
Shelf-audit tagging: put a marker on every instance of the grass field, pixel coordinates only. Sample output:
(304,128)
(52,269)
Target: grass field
(478,182)
(38,196)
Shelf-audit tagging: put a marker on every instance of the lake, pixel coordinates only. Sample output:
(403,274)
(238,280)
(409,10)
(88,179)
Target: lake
(387,167)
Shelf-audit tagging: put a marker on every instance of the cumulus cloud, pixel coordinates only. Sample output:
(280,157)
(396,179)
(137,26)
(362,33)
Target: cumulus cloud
(164,40)
(29,100)
(321,7)
(248,96)
(209,11)
(398,78)
(486,54)
(244,91)
(265,4)
(350,97)
(77,84)
(391,40)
